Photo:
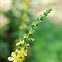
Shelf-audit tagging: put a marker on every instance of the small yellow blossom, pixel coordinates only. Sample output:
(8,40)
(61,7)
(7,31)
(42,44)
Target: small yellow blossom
(21,42)
(32,39)
(30,32)
(23,52)
(28,45)
(17,51)
(24,37)
(15,58)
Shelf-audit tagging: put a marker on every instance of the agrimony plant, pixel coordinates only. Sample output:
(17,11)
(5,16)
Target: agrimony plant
(19,54)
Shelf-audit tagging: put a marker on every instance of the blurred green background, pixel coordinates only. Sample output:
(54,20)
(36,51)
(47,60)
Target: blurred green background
(16,15)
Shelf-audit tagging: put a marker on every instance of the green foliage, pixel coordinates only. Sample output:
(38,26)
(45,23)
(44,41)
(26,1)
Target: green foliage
(47,46)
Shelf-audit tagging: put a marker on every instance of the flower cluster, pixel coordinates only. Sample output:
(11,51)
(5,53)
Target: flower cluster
(19,54)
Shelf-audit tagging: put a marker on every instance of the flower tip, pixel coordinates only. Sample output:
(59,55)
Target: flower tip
(28,45)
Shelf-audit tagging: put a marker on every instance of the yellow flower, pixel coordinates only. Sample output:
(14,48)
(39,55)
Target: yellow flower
(24,37)
(15,58)
(28,45)
(30,32)
(17,51)
(32,39)
(21,42)
(23,52)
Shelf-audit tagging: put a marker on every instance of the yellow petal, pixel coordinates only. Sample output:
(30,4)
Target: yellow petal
(22,49)
(15,61)
(18,55)
(25,54)
(30,32)
(17,51)
(20,60)
(32,39)
(10,58)
(13,54)
(17,43)
(21,42)
(28,45)
(26,50)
